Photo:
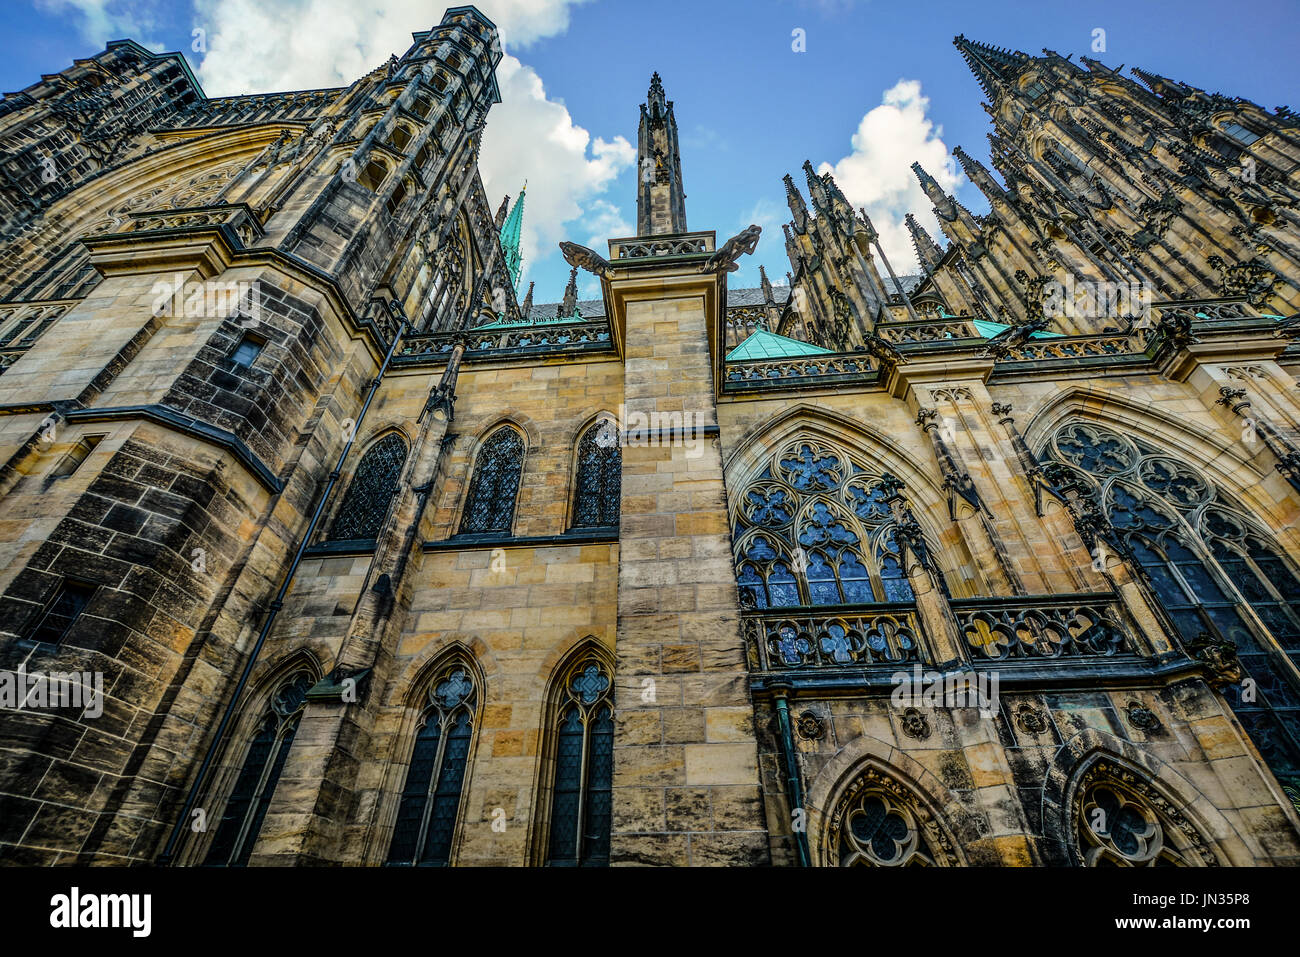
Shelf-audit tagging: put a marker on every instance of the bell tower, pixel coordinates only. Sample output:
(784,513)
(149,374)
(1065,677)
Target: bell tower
(660,198)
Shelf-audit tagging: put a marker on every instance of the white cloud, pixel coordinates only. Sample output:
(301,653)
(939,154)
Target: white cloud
(770,251)
(267,45)
(531,137)
(257,46)
(99,21)
(877,174)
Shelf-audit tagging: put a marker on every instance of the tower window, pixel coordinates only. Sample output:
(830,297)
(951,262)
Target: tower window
(246,353)
(1034,89)
(69,602)
(1239,133)
(72,461)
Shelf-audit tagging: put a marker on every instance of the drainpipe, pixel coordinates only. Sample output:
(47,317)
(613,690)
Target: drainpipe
(169,852)
(794,787)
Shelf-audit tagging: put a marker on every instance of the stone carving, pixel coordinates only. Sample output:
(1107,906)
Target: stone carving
(741,244)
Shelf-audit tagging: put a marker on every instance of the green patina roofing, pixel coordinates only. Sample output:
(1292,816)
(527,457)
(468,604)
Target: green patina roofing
(989,329)
(510,238)
(762,344)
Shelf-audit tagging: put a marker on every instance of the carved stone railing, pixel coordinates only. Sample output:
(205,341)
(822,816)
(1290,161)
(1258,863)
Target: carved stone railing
(302,105)
(656,247)
(1200,310)
(1043,626)
(798,639)
(1078,347)
(798,371)
(926,331)
(521,340)
(237,218)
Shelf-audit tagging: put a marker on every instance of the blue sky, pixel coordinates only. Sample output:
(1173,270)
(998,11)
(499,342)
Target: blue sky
(749,107)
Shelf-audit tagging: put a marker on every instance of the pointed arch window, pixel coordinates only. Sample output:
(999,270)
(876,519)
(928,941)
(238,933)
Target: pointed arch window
(1121,820)
(879,821)
(813,528)
(1209,566)
(581,799)
(430,806)
(600,477)
(365,506)
(490,505)
(255,786)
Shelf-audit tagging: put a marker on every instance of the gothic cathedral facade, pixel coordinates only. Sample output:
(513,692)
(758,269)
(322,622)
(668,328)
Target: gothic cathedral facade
(375,561)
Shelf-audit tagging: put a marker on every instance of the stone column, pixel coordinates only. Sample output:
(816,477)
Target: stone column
(686,779)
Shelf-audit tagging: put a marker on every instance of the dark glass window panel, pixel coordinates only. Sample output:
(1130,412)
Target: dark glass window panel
(600,783)
(490,506)
(246,352)
(751,584)
(853,578)
(446,797)
(822,589)
(241,798)
(896,585)
(364,508)
(268,792)
(567,799)
(600,477)
(68,604)
(415,795)
(782,588)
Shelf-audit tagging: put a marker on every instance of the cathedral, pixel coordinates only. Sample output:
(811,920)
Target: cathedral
(323,543)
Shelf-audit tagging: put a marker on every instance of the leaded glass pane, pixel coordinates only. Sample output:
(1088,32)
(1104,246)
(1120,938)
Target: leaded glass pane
(490,506)
(568,789)
(365,506)
(410,813)
(600,477)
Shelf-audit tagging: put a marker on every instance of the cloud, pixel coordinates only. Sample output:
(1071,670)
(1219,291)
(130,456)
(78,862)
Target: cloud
(877,174)
(531,137)
(257,46)
(99,21)
(770,251)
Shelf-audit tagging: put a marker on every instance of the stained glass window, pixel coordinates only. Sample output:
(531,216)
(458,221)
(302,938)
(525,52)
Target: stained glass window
(599,479)
(1209,567)
(255,786)
(490,506)
(364,508)
(581,802)
(813,528)
(426,817)
(875,826)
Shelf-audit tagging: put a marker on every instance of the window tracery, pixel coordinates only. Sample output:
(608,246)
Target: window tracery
(365,506)
(813,528)
(1121,820)
(599,479)
(880,822)
(581,799)
(490,504)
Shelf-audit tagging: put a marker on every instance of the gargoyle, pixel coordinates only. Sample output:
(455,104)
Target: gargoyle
(741,244)
(585,258)
(1014,337)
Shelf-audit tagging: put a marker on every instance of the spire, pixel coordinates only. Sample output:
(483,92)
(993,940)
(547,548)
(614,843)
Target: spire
(768,296)
(927,253)
(510,232)
(660,196)
(816,188)
(569,308)
(1162,86)
(943,203)
(993,67)
(526,309)
(794,199)
(977,174)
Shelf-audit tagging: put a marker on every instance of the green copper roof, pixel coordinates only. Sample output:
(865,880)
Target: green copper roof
(762,344)
(990,329)
(510,237)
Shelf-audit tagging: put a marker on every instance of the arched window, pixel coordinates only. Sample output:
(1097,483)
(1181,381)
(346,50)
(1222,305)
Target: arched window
(255,786)
(813,528)
(581,804)
(490,505)
(600,477)
(1208,566)
(1120,820)
(880,822)
(365,506)
(426,818)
